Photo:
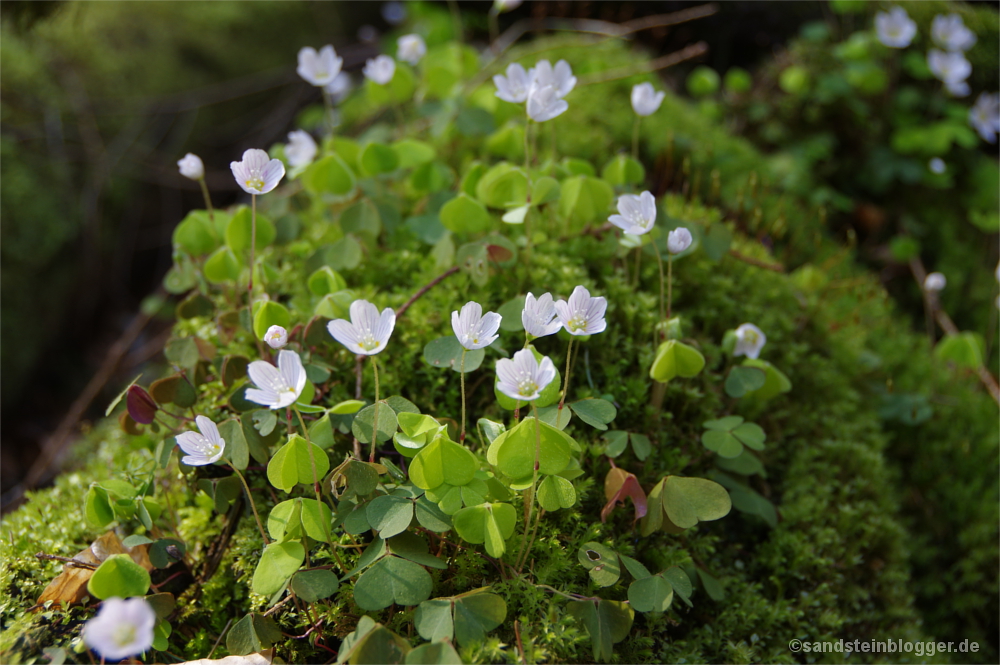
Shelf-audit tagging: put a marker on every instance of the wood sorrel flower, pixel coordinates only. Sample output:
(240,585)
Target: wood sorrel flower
(678,240)
(950,68)
(277,387)
(544,104)
(513,87)
(895,28)
(539,316)
(984,116)
(582,315)
(645,99)
(319,68)
(951,34)
(367,332)
(121,629)
(339,87)
(560,78)
(472,328)
(191,167)
(410,48)
(935,282)
(380,69)
(276,337)
(204,448)
(524,378)
(637,213)
(749,341)
(301,148)
(256,174)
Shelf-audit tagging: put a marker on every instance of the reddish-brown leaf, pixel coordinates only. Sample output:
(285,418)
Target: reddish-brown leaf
(140,405)
(619,485)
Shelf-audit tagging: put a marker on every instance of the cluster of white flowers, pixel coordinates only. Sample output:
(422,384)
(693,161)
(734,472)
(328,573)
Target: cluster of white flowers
(637,215)
(542,87)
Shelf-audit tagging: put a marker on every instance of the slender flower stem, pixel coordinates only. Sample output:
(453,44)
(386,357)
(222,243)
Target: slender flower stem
(638,262)
(253,506)
(208,199)
(461,437)
(316,486)
(527,175)
(529,496)
(670,282)
(328,104)
(635,137)
(565,390)
(659,264)
(371,456)
(253,247)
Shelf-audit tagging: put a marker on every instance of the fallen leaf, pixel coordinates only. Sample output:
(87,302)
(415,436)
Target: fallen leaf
(263,658)
(70,586)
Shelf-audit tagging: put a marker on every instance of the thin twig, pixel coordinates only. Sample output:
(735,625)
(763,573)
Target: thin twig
(424,289)
(216,645)
(669,60)
(76,563)
(776,267)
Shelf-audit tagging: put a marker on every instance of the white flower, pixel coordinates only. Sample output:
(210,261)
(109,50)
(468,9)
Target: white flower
(276,337)
(319,68)
(582,315)
(367,332)
(935,282)
(560,78)
(937,165)
(339,87)
(473,330)
(394,13)
(301,148)
(277,387)
(513,87)
(524,378)
(380,69)
(121,629)
(957,88)
(749,341)
(255,174)
(544,104)
(678,240)
(204,448)
(984,116)
(645,99)
(637,213)
(950,33)
(950,68)
(895,28)
(539,316)
(410,48)
(192,167)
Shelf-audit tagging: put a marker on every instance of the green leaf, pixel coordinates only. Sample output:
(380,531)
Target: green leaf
(362,478)
(775,381)
(97,508)
(278,563)
(437,653)
(641,445)
(464,214)
(222,266)
(585,199)
(293,464)
(431,516)
(390,515)
(410,153)
(442,461)
(623,170)
(344,254)
(364,423)
(447,352)
(502,186)
(240,227)
(160,554)
(635,568)
(595,412)
(717,241)
(120,576)
(196,234)
(964,349)
(270,313)
(392,580)
(687,501)
(490,523)
(712,586)
(363,220)
(372,553)
(315,518)
(474,121)
(433,619)
(616,440)
(414,548)
(744,464)
(313,585)
(650,594)
(513,452)
(328,175)
(477,613)
(601,561)
(380,645)
(252,634)
(743,379)
(545,190)
(377,158)
(674,358)
(556,492)
(237,451)
(680,582)
(750,435)
(723,443)
(326,280)
(606,621)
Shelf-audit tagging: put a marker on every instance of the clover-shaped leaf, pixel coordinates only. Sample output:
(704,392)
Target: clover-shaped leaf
(289,519)
(389,514)
(392,580)
(442,461)
(674,358)
(513,452)
(467,617)
(727,436)
(556,492)
(277,564)
(490,523)
(601,562)
(595,412)
(298,461)
(677,503)
(606,621)
(744,379)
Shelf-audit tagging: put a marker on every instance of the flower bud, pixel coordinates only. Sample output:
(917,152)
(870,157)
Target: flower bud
(678,240)
(191,167)
(276,337)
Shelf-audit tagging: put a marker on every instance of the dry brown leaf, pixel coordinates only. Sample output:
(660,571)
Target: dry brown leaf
(262,658)
(70,586)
